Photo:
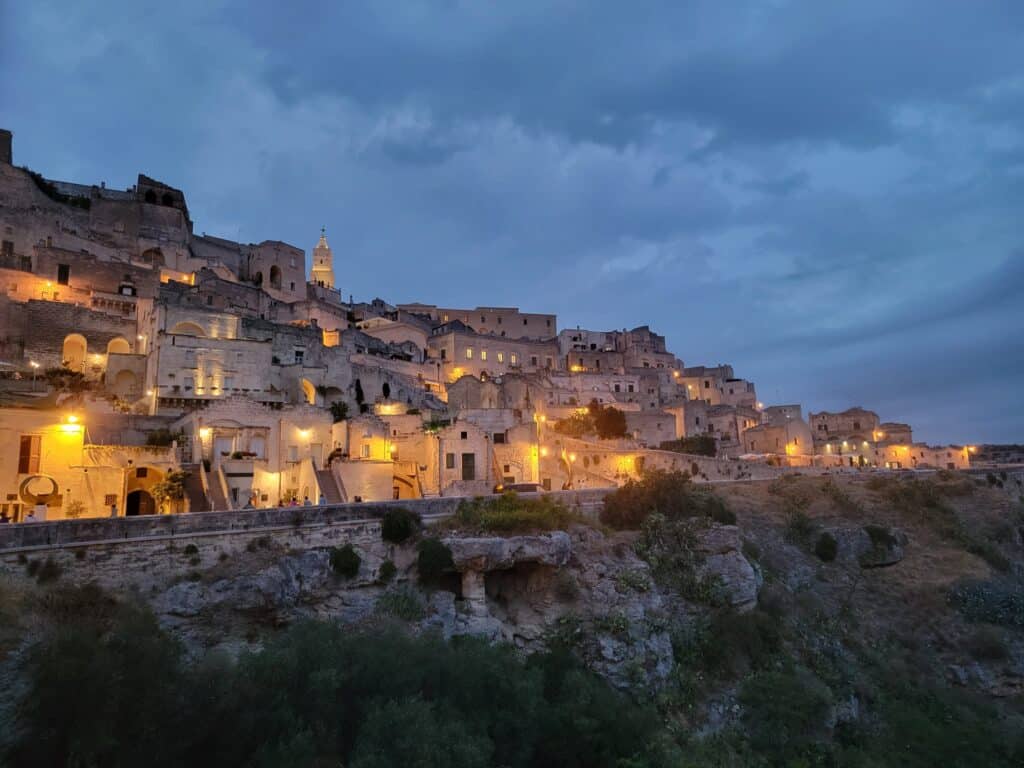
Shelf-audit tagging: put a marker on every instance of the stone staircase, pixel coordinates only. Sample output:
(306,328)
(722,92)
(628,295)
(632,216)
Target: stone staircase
(329,486)
(218,501)
(197,501)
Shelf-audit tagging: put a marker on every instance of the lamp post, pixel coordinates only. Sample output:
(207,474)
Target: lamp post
(35,370)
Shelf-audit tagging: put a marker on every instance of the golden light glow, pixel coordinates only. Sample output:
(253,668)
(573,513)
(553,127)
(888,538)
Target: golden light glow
(543,451)
(70,427)
(71,418)
(305,433)
(572,457)
(204,433)
(576,368)
(34,364)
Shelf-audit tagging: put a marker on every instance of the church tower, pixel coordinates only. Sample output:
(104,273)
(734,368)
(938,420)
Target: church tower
(323,262)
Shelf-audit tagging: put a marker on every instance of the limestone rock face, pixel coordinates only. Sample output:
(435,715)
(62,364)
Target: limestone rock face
(724,561)
(495,553)
(874,548)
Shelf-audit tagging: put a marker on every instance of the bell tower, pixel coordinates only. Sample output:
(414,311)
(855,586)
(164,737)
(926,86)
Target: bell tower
(323,262)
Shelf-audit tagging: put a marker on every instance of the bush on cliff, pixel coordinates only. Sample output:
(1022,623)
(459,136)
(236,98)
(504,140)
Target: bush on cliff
(345,561)
(510,513)
(398,525)
(671,494)
(316,694)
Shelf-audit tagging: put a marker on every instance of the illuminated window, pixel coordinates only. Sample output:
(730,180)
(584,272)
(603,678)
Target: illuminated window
(483,354)
(513,358)
(469,353)
(501,357)
(365,451)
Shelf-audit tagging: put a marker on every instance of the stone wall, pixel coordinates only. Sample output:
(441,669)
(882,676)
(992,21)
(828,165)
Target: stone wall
(106,532)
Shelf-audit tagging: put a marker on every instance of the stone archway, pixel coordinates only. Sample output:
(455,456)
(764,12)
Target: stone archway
(139,502)
(188,328)
(275,276)
(74,352)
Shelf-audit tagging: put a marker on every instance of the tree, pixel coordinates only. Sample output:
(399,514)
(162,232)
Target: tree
(360,397)
(171,489)
(697,445)
(386,390)
(339,411)
(609,422)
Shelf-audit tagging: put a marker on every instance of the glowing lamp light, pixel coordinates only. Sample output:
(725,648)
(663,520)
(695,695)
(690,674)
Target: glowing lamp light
(71,419)
(204,433)
(34,364)
(305,433)
(543,451)
(572,457)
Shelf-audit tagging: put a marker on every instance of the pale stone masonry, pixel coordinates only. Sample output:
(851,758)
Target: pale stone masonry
(255,383)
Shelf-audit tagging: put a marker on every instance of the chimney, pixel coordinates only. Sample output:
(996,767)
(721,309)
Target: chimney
(6,144)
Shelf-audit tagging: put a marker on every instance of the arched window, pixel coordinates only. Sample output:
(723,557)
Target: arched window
(258,280)
(151,196)
(118,346)
(275,276)
(74,352)
(308,392)
(167,199)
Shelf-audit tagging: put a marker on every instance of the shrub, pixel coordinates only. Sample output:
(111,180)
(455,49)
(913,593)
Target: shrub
(260,542)
(191,549)
(723,515)
(671,494)
(990,602)
(826,547)
(799,528)
(398,525)
(434,559)
(386,572)
(345,561)
(670,547)
(731,639)
(632,581)
(987,644)
(509,513)
(402,603)
(784,712)
(44,571)
(339,411)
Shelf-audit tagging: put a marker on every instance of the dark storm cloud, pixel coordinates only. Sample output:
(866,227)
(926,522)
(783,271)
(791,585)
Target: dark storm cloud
(826,195)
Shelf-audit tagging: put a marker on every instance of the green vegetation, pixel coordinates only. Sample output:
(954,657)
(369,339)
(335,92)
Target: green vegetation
(433,560)
(510,513)
(339,411)
(386,572)
(605,421)
(993,602)
(697,445)
(399,524)
(345,561)
(171,489)
(670,494)
(50,190)
(402,602)
(120,692)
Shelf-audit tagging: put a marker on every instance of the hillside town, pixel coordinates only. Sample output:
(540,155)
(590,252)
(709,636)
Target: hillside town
(149,369)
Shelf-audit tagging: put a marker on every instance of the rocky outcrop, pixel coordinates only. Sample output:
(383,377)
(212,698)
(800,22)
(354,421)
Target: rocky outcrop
(871,546)
(724,562)
(493,553)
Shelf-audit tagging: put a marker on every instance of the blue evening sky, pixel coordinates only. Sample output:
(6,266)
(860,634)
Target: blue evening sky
(828,195)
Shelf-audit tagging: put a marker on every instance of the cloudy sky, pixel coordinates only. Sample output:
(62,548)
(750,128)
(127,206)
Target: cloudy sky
(829,196)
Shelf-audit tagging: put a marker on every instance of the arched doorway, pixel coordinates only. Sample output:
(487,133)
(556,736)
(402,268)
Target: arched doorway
(275,276)
(139,503)
(74,351)
(118,346)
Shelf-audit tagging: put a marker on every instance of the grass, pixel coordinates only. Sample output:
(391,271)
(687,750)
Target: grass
(402,603)
(509,513)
